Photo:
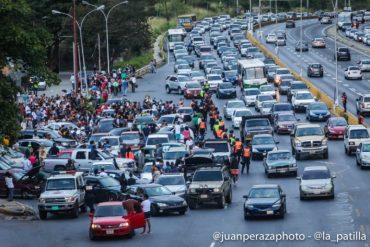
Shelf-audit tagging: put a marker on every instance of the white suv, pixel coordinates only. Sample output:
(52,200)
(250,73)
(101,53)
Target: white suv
(64,192)
(354,135)
(301,99)
(363,104)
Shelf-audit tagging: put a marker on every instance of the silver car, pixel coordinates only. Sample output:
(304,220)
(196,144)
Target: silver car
(316,181)
(363,154)
(231,106)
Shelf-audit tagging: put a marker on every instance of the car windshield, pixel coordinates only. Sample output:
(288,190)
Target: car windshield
(111,141)
(157,191)
(365,61)
(130,136)
(304,96)
(196,74)
(318,107)
(171,180)
(192,85)
(156,140)
(268,104)
(267,88)
(225,85)
(110,211)
(309,131)
(242,113)
(236,104)
(252,92)
(109,182)
(61,184)
(286,118)
(265,97)
(359,134)
(183,66)
(283,107)
(144,120)
(147,169)
(263,140)
(279,156)
(214,78)
(231,73)
(183,78)
(167,119)
(257,123)
(316,66)
(254,73)
(338,122)
(217,146)
(174,155)
(315,174)
(207,176)
(264,193)
(282,71)
(298,86)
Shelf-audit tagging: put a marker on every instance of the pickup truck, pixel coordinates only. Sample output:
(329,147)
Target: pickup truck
(83,161)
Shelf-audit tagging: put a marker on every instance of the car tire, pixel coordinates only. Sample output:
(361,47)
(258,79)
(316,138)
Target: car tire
(43,214)
(301,197)
(24,194)
(229,197)
(75,211)
(192,204)
(222,202)
(180,91)
(268,175)
(91,236)
(182,212)
(326,155)
(295,174)
(131,234)
(282,212)
(217,96)
(347,151)
(154,211)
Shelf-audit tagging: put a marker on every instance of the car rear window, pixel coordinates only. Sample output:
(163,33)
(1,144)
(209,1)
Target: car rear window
(359,134)
(207,176)
(217,146)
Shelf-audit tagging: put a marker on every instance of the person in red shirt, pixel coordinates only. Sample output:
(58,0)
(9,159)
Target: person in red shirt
(33,159)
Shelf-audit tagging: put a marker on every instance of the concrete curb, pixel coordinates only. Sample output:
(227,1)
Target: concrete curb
(337,111)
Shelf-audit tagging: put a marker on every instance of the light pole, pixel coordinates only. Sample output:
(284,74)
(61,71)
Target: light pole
(106,16)
(335,6)
(300,43)
(79,25)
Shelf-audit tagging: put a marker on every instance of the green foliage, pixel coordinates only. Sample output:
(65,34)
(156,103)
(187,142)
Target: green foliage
(137,61)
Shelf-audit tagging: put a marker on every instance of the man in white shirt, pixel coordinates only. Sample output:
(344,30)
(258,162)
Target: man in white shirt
(177,131)
(26,165)
(146,204)
(103,173)
(9,185)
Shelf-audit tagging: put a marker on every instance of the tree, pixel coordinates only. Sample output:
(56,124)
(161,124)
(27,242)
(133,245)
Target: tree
(24,42)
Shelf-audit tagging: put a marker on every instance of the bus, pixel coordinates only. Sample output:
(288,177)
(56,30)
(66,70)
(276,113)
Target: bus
(175,35)
(252,73)
(344,17)
(187,21)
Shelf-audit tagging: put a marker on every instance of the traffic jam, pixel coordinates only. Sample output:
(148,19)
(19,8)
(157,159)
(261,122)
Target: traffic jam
(235,110)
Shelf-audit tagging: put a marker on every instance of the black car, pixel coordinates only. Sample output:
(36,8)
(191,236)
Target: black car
(315,69)
(262,144)
(44,134)
(284,86)
(104,188)
(230,76)
(265,200)
(301,45)
(343,54)
(162,199)
(290,24)
(226,90)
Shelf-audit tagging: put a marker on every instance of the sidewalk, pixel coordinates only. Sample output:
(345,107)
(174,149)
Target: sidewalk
(330,32)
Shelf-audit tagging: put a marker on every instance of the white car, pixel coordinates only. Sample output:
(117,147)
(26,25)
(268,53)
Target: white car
(353,72)
(354,135)
(214,80)
(266,107)
(363,154)
(268,90)
(174,182)
(250,95)
(198,76)
(364,65)
(113,141)
(238,115)
(261,98)
(156,139)
(183,69)
(231,106)
(316,181)
(271,38)
(301,99)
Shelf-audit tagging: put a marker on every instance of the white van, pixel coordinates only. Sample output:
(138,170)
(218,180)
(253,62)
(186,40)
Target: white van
(354,135)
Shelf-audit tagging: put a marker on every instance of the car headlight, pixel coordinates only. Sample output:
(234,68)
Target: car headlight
(324,142)
(351,143)
(250,206)
(304,187)
(192,190)
(161,204)
(95,226)
(254,150)
(312,113)
(184,203)
(125,224)
(70,198)
(216,190)
(298,144)
(276,205)
(328,186)
(294,164)
(41,200)
(275,149)
(65,144)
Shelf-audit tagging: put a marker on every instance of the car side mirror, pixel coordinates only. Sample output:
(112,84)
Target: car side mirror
(245,197)
(277,142)
(226,179)
(283,195)
(298,178)
(334,176)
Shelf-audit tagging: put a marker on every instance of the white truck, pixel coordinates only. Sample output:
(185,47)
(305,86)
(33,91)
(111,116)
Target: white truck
(64,193)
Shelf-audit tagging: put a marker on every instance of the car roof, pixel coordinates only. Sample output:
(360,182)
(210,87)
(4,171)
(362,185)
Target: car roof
(262,135)
(279,151)
(262,186)
(307,125)
(315,168)
(110,203)
(357,126)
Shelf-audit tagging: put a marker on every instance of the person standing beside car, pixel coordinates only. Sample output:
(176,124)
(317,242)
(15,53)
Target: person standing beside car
(10,186)
(146,204)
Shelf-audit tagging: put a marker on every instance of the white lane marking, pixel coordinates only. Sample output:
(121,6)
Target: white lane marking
(328,74)
(213,244)
(346,85)
(333,78)
(340,81)
(353,89)
(368,80)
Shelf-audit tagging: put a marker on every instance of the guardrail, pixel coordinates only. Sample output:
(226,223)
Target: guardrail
(147,68)
(336,110)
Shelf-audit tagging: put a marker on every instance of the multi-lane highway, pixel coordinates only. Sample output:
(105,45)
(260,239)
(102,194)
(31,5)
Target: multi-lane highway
(313,29)
(347,213)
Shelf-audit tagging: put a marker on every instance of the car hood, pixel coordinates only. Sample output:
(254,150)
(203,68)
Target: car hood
(264,146)
(259,201)
(176,188)
(320,112)
(57,193)
(205,184)
(257,128)
(195,161)
(166,198)
(315,182)
(114,220)
(310,138)
(278,163)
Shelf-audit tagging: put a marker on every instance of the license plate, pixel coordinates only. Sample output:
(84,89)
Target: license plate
(37,187)
(312,152)
(340,136)
(54,207)
(280,171)
(203,196)
(89,187)
(316,192)
(110,232)
(320,116)
(269,212)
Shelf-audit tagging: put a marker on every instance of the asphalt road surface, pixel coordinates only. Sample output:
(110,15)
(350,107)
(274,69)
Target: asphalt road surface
(313,29)
(345,214)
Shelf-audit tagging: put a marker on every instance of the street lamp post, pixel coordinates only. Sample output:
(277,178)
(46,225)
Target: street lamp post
(335,6)
(106,16)
(300,44)
(79,26)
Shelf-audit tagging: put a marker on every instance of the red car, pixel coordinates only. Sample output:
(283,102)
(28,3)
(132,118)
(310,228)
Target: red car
(111,219)
(192,90)
(335,127)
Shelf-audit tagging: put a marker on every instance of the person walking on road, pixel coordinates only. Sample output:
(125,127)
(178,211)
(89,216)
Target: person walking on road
(124,87)
(9,185)
(146,204)
(344,101)
(73,81)
(246,158)
(115,85)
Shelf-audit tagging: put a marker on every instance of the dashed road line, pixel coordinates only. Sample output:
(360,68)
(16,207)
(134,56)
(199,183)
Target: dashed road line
(353,89)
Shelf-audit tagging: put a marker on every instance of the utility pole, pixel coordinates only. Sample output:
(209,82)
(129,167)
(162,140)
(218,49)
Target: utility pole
(99,52)
(77,81)
(276,17)
(300,43)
